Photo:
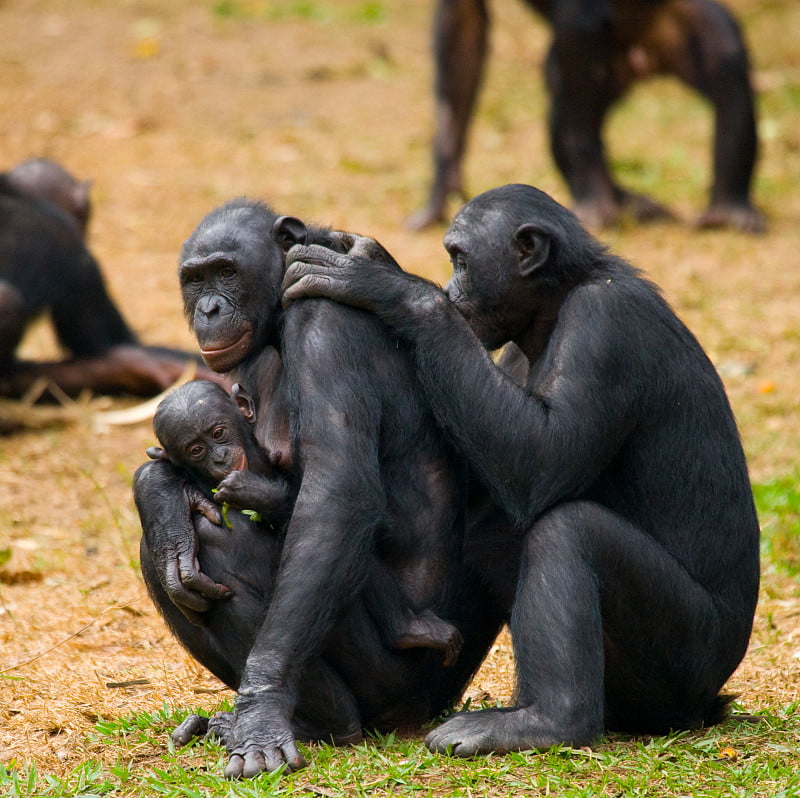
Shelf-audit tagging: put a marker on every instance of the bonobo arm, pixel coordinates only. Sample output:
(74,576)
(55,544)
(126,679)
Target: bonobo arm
(330,536)
(245,490)
(165,500)
(532,446)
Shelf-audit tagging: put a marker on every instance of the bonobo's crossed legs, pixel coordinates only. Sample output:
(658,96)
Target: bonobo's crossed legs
(569,630)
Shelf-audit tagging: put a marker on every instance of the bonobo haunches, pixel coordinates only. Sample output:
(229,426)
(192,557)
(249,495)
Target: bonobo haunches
(338,407)
(631,593)
(600,48)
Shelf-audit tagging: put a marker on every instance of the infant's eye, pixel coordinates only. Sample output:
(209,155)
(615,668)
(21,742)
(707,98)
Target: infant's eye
(218,434)
(197,451)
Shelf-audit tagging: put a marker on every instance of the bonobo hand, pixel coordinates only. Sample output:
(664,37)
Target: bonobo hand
(262,735)
(166,502)
(365,276)
(243,490)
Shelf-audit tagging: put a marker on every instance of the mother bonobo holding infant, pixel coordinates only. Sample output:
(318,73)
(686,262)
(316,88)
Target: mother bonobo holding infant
(628,565)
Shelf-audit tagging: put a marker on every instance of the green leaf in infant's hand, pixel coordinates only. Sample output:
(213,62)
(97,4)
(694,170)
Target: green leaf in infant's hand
(224,511)
(253,515)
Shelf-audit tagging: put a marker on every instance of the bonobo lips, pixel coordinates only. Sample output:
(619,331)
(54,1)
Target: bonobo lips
(241,464)
(224,358)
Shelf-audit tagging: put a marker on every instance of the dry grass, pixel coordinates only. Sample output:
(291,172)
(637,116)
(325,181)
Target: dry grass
(172,109)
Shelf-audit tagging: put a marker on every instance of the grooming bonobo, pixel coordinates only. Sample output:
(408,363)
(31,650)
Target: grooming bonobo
(600,48)
(45,266)
(210,434)
(339,409)
(628,566)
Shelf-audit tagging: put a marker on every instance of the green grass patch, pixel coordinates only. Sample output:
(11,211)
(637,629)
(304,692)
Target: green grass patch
(778,504)
(741,757)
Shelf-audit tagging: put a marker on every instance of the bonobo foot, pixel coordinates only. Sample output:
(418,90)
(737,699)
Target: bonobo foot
(428,630)
(602,212)
(743,217)
(501,730)
(261,735)
(218,727)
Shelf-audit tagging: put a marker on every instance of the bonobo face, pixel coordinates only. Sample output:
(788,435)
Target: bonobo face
(202,430)
(230,273)
(486,285)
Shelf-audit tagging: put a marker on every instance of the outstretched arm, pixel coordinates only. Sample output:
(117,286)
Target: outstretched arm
(531,447)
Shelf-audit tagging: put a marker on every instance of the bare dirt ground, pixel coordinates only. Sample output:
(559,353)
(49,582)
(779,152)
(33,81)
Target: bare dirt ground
(324,109)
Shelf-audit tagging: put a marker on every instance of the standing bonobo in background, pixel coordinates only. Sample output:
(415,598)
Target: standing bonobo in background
(45,266)
(210,434)
(340,409)
(599,49)
(628,564)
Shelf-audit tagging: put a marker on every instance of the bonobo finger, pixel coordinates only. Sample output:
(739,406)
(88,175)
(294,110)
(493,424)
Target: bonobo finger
(343,240)
(198,582)
(308,285)
(193,726)
(188,603)
(235,766)
(206,507)
(294,759)
(257,761)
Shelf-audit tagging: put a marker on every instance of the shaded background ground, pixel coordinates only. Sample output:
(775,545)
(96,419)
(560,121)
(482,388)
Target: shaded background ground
(324,108)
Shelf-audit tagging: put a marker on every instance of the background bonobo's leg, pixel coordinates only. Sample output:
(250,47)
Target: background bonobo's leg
(712,58)
(460,32)
(583,85)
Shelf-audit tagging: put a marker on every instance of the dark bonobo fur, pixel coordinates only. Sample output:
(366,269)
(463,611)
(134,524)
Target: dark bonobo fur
(339,408)
(210,434)
(45,266)
(618,531)
(601,48)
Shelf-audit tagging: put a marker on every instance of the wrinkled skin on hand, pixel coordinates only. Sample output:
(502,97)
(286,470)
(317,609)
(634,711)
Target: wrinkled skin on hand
(173,546)
(366,277)
(261,736)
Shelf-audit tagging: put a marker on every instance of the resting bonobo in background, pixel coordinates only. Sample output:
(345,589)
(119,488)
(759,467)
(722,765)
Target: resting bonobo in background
(45,265)
(629,563)
(210,434)
(339,408)
(600,49)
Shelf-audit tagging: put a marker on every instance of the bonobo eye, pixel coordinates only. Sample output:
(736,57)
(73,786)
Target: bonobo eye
(226,272)
(197,451)
(218,433)
(458,259)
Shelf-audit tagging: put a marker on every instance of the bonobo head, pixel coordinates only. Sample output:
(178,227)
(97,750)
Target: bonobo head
(230,273)
(43,179)
(205,431)
(515,252)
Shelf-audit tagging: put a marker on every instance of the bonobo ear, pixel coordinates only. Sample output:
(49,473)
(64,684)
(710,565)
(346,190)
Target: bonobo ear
(244,402)
(157,453)
(533,243)
(288,231)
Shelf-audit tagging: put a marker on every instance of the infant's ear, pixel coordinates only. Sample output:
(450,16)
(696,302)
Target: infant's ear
(157,453)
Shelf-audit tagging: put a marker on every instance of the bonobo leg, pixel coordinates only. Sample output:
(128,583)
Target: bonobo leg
(12,320)
(712,58)
(399,624)
(584,80)
(244,556)
(609,631)
(460,29)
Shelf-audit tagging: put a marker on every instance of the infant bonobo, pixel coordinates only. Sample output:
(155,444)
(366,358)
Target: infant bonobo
(209,433)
